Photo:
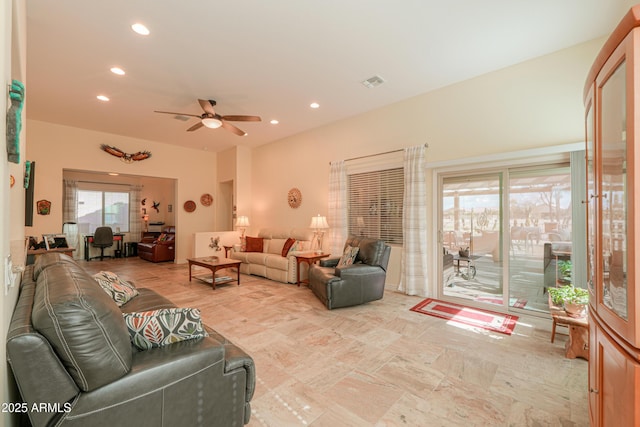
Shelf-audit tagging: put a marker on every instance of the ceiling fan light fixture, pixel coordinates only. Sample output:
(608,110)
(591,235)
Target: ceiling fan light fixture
(211,122)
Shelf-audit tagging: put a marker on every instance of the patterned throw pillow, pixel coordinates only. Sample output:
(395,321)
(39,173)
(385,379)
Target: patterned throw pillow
(349,256)
(288,246)
(157,328)
(118,289)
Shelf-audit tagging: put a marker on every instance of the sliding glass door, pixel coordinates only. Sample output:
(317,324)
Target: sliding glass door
(505,235)
(472,236)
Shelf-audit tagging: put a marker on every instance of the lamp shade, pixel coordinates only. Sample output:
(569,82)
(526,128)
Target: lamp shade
(211,122)
(242,221)
(319,222)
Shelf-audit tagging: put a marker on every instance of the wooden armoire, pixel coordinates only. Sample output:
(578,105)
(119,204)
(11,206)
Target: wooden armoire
(612,102)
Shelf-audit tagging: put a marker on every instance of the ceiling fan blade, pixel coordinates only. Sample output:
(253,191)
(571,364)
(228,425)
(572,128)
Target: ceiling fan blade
(177,114)
(195,127)
(232,128)
(206,106)
(243,118)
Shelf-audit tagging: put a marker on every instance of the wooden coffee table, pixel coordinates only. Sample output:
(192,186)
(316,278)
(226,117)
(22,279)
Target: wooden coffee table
(214,264)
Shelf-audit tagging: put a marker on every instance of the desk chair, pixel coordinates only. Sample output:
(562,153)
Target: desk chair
(102,238)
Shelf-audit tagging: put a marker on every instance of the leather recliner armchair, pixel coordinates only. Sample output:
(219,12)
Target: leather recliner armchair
(355,284)
(159,249)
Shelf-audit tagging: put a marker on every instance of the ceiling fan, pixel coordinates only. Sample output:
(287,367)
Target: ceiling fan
(213,120)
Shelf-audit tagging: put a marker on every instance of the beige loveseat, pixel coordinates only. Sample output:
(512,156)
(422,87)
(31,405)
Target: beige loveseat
(270,263)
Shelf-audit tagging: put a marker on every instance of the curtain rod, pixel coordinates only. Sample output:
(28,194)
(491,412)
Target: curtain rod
(104,183)
(426,145)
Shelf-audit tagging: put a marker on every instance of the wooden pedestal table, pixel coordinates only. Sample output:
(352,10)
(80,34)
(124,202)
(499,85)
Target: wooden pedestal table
(309,258)
(578,342)
(214,264)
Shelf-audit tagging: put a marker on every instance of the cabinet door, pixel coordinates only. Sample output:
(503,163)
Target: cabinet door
(590,201)
(615,137)
(618,375)
(594,384)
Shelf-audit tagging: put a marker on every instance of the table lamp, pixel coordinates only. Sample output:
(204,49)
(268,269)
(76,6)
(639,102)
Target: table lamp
(319,224)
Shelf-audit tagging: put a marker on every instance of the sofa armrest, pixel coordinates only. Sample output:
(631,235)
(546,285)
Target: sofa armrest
(355,270)
(179,384)
(329,262)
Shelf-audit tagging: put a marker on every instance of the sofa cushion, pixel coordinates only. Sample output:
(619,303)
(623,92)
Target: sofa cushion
(83,325)
(349,256)
(277,262)
(254,244)
(287,246)
(162,327)
(275,246)
(119,290)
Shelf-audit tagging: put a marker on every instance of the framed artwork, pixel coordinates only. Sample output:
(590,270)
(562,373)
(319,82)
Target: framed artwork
(53,241)
(44,207)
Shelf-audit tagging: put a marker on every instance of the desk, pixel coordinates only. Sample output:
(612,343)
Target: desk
(88,238)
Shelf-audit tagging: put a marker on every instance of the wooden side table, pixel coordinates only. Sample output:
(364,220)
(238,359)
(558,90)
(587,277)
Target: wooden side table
(226,250)
(578,342)
(309,258)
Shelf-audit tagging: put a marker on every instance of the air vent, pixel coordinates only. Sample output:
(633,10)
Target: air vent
(182,118)
(372,82)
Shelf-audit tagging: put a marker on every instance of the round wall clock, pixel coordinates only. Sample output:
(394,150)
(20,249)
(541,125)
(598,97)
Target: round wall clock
(294,197)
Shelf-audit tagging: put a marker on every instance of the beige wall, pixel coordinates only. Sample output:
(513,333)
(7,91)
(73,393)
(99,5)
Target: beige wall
(54,148)
(530,105)
(13,48)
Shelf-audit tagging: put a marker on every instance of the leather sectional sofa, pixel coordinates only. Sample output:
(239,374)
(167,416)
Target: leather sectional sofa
(70,350)
(269,262)
(159,249)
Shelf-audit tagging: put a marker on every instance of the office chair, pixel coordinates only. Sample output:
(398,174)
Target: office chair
(102,238)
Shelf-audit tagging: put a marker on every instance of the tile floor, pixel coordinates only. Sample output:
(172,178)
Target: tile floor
(378,364)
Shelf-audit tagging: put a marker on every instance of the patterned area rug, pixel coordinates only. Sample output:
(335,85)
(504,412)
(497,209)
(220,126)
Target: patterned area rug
(484,319)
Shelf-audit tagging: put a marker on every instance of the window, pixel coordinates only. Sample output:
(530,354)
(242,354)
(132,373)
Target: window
(375,204)
(97,208)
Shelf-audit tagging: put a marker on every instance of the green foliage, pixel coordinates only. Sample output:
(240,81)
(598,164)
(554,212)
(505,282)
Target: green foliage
(569,293)
(564,270)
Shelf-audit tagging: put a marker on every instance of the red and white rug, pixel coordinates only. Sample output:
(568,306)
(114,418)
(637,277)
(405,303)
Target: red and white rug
(484,319)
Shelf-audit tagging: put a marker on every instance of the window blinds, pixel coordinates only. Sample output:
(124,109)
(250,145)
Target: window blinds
(375,204)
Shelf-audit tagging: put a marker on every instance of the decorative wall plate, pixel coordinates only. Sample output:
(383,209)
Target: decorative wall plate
(189,206)
(206,199)
(294,198)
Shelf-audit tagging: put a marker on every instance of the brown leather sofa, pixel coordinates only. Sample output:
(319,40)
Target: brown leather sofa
(72,358)
(162,248)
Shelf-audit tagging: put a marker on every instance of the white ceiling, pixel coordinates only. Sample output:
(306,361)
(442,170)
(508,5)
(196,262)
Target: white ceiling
(273,58)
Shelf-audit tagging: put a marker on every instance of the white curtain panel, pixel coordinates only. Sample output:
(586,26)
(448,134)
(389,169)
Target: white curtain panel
(135,215)
(414,274)
(70,214)
(337,217)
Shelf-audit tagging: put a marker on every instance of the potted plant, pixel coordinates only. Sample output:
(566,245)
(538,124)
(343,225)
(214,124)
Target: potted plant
(574,300)
(564,271)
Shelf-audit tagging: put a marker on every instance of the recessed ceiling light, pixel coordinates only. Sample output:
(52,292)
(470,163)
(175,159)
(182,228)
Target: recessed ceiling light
(140,29)
(102,98)
(113,174)
(117,70)
(314,105)
(274,122)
